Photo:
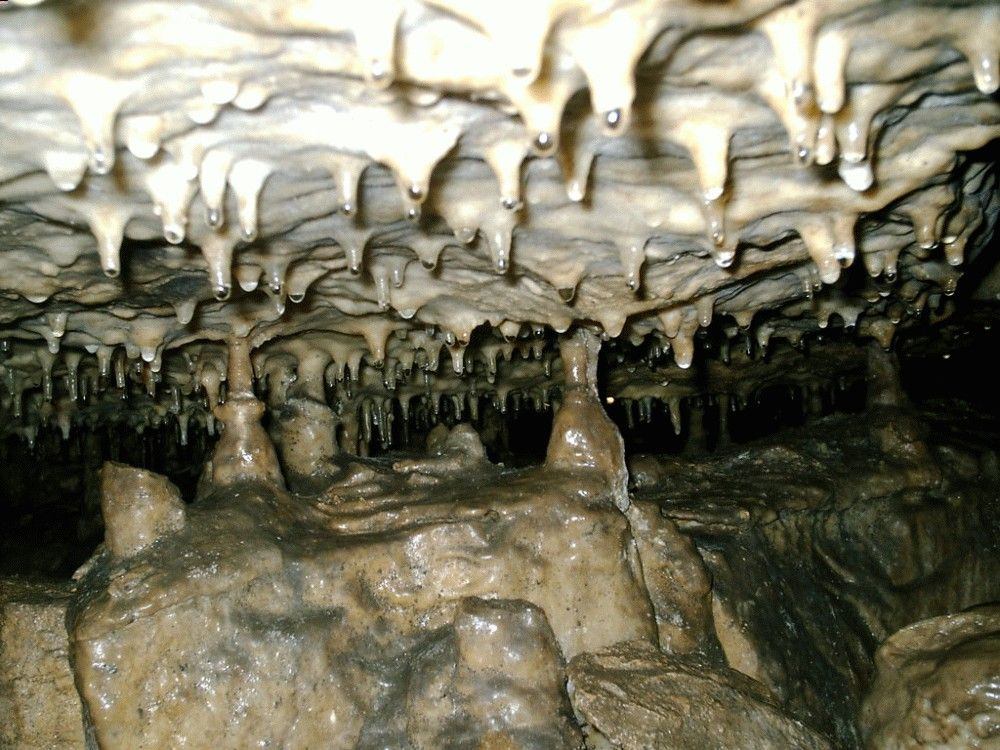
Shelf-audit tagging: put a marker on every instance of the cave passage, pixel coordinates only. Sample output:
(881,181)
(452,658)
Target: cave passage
(548,374)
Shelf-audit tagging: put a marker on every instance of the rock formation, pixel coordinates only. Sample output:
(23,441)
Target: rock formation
(418,373)
(936,684)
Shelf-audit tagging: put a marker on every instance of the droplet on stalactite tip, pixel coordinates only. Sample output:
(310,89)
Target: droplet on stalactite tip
(213,217)
(798,92)
(111,271)
(428,264)
(614,119)
(221,292)
(500,266)
(511,204)
(348,208)
(415,192)
(724,259)
(378,72)
(544,143)
(844,255)
(101,162)
(566,294)
(173,235)
(413,214)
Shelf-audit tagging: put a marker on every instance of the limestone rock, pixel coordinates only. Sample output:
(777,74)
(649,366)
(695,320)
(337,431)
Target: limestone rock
(139,508)
(493,678)
(39,705)
(276,619)
(678,583)
(821,544)
(635,697)
(937,685)
(304,431)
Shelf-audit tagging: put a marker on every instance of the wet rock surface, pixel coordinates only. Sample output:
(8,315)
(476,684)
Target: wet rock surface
(820,547)
(267,613)
(437,602)
(937,684)
(39,705)
(633,696)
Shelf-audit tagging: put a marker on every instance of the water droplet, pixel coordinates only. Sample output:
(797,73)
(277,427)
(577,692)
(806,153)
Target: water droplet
(100,161)
(613,119)
(221,292)
(378,71)
(544,142)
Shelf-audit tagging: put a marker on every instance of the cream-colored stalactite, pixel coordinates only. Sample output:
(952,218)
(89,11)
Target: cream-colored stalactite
(369,170)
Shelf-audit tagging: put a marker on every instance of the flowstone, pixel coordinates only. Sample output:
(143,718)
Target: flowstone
(280,619)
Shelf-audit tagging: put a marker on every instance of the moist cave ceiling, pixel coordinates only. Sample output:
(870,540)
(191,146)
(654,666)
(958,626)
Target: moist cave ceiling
(396,198)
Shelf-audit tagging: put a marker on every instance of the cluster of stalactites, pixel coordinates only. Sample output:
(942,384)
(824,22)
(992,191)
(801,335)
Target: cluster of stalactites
(822,78)
(413,383)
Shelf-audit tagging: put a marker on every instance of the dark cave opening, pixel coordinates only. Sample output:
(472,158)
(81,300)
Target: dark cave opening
(50,513)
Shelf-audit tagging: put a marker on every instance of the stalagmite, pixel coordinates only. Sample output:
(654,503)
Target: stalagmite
(304,434)
(244,453)
(139,508)
(583,437)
